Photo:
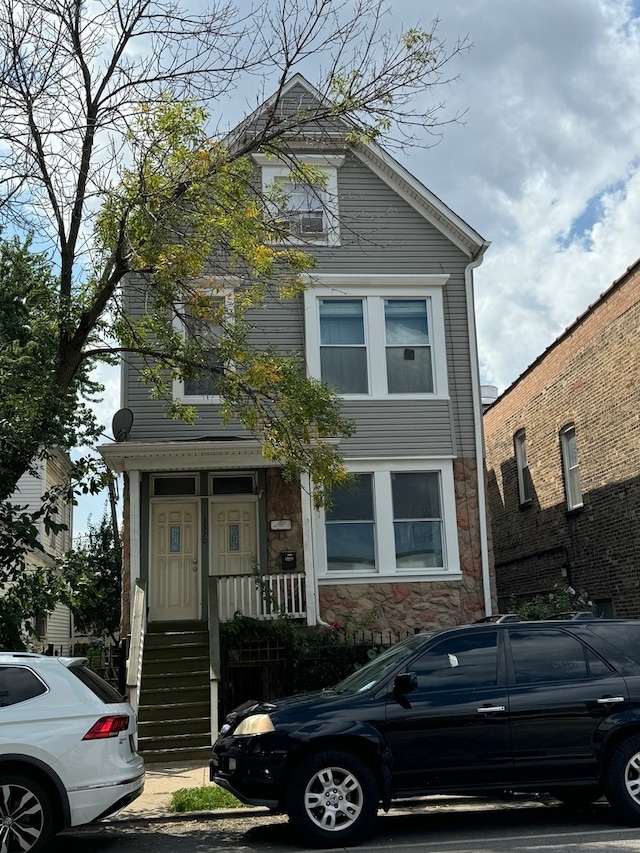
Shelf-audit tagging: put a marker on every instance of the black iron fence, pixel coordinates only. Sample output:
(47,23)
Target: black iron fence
(268,668)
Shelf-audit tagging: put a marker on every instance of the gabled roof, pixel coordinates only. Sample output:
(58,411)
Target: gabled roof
(386,167)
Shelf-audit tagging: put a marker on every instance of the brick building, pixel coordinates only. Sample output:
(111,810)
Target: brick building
(563,461)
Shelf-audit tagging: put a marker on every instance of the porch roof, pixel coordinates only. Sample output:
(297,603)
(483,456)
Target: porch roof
(183,455)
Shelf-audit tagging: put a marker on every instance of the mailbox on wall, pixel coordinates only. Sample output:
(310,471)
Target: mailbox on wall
(288,560)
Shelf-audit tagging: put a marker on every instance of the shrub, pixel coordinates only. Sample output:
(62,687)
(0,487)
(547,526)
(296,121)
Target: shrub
(562,599)
(206,798)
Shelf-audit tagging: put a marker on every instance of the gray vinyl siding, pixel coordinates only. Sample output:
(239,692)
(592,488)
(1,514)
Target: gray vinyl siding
(380,233)
(399,428)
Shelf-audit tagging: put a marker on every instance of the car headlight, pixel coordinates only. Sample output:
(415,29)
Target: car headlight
(256,724)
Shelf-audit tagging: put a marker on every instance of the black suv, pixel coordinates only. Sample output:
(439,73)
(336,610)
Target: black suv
(525,706)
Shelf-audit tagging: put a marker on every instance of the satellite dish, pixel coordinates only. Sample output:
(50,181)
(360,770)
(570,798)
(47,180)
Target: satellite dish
(121,424)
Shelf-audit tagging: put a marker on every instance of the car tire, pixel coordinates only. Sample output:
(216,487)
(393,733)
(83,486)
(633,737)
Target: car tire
(578,797)
(623,780)
(26,815)
(332,799)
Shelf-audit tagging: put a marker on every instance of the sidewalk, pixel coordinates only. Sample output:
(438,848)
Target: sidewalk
(161,780)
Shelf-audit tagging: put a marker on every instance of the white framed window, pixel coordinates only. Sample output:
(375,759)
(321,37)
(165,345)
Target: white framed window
(571,467)
(311,213)
(525,483)
(204,388)
(398,522)
(377,336)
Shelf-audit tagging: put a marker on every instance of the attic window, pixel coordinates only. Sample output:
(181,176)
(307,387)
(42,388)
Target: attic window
(311,211)
(304,216)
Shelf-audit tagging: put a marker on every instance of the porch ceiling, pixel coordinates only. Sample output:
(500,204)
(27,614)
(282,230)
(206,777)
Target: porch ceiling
(183,455)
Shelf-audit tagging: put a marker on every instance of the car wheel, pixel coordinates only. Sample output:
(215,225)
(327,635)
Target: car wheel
(26,816)
(332,799)
(623,780)
(577,798)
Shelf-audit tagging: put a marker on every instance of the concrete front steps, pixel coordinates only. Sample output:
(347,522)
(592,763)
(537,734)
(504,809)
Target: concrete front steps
(174,712)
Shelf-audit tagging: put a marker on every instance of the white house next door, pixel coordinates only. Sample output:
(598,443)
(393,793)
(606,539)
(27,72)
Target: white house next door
(174,577)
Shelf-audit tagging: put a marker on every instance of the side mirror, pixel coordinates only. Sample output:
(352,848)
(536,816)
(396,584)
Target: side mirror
(405,682)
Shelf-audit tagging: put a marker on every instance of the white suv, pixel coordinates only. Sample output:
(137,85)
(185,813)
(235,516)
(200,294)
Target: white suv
(67,749)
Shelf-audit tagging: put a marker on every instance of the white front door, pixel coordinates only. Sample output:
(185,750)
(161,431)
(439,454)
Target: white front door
(235,544)
(174,578)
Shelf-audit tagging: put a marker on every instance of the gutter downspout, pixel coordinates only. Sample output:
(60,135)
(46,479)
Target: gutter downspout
(477,424)
(311,577)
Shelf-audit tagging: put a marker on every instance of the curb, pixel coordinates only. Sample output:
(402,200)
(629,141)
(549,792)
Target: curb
(217,814)
(443,801)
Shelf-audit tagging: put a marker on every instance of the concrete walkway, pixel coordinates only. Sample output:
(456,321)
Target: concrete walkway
(161,780)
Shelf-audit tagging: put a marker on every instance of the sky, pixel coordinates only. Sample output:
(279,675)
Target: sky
(545,165)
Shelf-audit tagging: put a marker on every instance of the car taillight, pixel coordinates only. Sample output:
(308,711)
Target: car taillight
(107,727)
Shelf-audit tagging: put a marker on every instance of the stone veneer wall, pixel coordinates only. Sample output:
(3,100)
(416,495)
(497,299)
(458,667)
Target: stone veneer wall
(283,503)
(421,604)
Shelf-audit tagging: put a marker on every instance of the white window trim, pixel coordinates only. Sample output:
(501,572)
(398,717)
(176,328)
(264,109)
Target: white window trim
(383,527)
(573,501)
(272,169)
(381,287)
(522,465)
(225,290)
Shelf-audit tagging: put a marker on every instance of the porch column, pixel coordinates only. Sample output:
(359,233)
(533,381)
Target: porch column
(134,531)
(310,581)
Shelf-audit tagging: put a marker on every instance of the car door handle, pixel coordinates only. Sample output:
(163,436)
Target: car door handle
(490,709)
(609,700)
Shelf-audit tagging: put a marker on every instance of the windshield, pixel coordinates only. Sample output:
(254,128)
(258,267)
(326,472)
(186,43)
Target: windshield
(375,671)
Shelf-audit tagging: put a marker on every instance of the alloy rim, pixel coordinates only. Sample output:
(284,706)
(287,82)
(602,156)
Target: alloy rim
(333,799)
(632,777)
(21,819)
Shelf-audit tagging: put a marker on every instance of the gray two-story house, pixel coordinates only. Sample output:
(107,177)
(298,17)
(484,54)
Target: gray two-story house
(387,319)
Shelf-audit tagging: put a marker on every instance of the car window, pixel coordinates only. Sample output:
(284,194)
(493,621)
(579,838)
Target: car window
(376,670)
(623,636)
(17,684)
(101,688)
(552,656)
(459,662)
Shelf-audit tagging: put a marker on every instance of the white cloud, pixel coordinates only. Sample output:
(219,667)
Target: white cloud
(546,165)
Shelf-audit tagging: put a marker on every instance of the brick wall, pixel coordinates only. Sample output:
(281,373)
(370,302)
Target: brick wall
(589,377)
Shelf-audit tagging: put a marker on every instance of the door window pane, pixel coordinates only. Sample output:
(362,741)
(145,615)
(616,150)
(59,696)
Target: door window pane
(417,519)
(544,656)
(174,539)
(343,354)
(350,527)
(408,350)
(461,662)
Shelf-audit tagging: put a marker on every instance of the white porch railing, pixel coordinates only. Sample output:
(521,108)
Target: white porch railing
(136,645)
(268,598)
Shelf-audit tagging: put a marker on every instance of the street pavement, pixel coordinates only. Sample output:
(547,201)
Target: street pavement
(437,824)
